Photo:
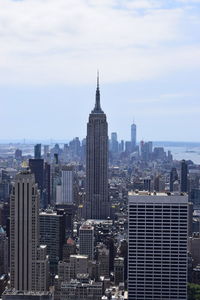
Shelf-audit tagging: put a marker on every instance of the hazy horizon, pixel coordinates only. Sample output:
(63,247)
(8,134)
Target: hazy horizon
(147,52)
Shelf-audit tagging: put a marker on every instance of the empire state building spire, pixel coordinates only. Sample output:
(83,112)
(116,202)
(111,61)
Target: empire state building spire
(97,197)
(97,109)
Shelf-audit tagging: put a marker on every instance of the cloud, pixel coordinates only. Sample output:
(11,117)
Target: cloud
(65,41)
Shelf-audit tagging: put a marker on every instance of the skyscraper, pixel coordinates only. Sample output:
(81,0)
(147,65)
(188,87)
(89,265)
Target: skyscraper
(97,199)
(52,234)
(157,255)
(184,176)
(133,136)
(173,178)
(114,147)
(24,232)
(37,151)
(25,253)
(67,185)
(37,168)
(86,234)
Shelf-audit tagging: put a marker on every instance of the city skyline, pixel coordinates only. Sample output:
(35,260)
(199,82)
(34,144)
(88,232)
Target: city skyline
(99,150)
(147,53)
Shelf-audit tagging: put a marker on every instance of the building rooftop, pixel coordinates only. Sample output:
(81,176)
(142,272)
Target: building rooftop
(78,256)
(147,197)
(28,293)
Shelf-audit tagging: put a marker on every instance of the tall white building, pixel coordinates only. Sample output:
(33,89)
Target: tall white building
(86,234)
(67,184)
(24,234)
(157,255)
(65,191)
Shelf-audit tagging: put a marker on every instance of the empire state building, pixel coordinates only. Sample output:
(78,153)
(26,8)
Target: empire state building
(97,199)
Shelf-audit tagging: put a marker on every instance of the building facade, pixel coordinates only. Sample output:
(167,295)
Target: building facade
(25,252)
(52,234)
(67,185)
(157,254)
(86,235)
(184,176)
(24,229)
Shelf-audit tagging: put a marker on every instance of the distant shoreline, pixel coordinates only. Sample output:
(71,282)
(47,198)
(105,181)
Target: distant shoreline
(54,141)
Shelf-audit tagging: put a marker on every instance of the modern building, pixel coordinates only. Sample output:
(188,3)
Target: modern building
(47,184)
(158,239)
(52,234)
(24,234)
(147,184)
(37,151)
(37,168)
(97,198)
(55,181)
(86,240)
(67,185)
(133,136)
(184,176)
(195,198)
(173,178)
(119,270)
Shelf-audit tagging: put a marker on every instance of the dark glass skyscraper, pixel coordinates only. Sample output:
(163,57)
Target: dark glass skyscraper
(184,176)
(37,151)
(97,199)
(173,178)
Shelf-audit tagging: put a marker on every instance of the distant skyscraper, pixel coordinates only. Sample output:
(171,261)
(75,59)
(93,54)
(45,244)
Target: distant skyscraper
(121,146)
(18,154)
(158,238)
(114,143)
(133,136)
(46,152)
(37,168)
(47,184)
(37,151)
(146,150)
(97,199)
(184,176)
(67,185)
(173,178)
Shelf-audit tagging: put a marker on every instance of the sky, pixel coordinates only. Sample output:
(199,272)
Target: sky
(147,52)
